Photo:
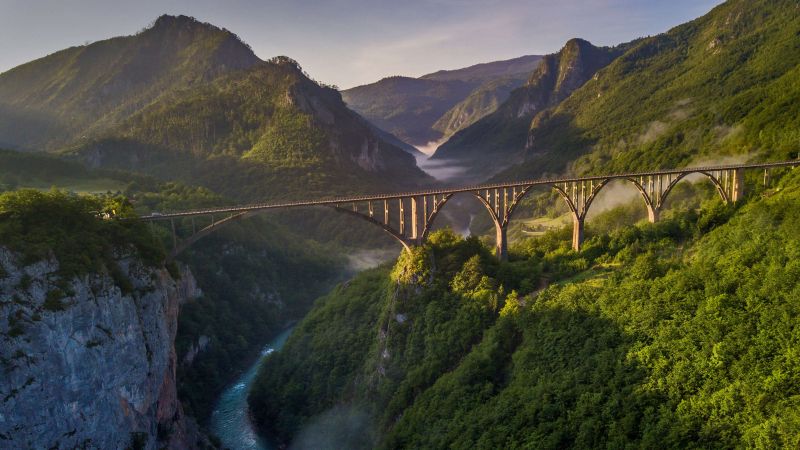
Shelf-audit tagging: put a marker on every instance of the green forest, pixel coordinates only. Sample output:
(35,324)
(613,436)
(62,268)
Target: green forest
(678,334)
(684,333)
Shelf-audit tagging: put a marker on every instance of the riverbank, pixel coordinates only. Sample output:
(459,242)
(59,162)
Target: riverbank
(230,421)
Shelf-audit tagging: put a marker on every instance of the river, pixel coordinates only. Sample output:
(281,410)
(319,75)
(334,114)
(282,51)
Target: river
(230,421)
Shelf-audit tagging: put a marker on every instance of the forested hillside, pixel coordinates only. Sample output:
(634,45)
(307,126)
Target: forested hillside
(496,141)
(723,84)
(185,100)
(679,334)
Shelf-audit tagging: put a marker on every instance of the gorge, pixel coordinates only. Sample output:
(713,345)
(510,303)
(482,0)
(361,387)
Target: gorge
(642,293)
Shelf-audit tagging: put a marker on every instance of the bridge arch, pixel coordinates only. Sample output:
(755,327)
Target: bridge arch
(388,229)
(655,193)
(500,229)
(499,199)
(579,197)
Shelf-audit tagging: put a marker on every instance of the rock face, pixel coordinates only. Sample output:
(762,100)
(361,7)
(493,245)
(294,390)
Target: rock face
(86,364)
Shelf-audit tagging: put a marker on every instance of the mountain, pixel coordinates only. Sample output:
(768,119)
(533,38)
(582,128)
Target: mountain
(482,101)
(407,107)
(51,101)
(481,73)
(497,139)
(725,84)
(412,108)
(190,101)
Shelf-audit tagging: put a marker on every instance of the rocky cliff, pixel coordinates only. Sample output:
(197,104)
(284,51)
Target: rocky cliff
(90,361)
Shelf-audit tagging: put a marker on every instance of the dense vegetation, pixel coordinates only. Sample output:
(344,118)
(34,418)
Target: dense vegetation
(50,102)
(677,334)
(725,84)
(39,225)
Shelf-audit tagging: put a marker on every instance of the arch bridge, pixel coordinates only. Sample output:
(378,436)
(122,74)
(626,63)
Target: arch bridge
(409,216)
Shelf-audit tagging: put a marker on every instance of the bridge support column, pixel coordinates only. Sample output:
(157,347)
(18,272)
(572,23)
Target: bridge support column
(501,242)
(737,185)
(577,233)
(652,214)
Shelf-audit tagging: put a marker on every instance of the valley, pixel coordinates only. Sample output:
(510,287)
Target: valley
(590,245)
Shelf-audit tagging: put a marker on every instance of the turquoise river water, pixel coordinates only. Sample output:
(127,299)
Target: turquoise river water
(230,421)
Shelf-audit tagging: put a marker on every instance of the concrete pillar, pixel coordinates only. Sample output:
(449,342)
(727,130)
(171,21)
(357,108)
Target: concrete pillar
(174,234)
(652,214)
(737,187)
(414,219)
(577,232)
(502,243)
(402,218)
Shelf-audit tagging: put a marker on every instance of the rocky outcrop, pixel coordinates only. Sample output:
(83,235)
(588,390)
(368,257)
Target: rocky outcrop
(87,363)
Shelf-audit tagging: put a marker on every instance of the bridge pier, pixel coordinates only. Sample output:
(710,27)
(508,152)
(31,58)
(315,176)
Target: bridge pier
(652,214)
(737,188)
(501,242)
(577,233)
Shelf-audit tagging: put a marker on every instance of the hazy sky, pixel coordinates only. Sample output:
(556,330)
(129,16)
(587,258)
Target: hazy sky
(351,42)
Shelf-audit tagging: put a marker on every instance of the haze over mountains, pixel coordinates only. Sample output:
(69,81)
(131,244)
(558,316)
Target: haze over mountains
(426,109)
(497,140)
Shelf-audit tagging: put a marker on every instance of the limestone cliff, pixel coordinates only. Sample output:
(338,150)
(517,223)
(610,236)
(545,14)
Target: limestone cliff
(87,363)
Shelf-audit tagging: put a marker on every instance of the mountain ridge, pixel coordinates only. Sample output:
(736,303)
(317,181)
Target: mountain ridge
(502,133)
(188,100)
(722,85)
(431,107)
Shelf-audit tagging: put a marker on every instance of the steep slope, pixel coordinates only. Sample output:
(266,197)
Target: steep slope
(498,139)
(411,108)
(88,320)
(186,100)
(680,334)
(482,101)
(407,107)
(727,83)
(269,127)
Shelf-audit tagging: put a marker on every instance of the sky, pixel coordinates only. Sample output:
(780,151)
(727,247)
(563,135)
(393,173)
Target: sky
(353,42)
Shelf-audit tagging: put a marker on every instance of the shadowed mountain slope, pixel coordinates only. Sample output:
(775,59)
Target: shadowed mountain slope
(724,85)
(499,137)
(428,108)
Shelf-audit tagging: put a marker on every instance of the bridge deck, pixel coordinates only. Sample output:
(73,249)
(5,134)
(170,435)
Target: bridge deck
(445,191)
